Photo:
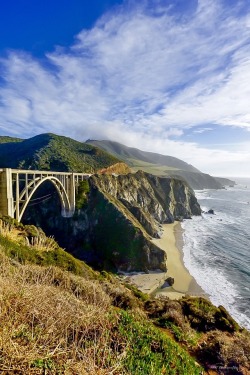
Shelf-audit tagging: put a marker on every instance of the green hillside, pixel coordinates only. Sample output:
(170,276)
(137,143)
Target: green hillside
(161,165)
(134,157)
(53,152)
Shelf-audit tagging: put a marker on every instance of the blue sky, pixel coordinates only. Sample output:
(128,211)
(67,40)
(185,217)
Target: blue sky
(165,76)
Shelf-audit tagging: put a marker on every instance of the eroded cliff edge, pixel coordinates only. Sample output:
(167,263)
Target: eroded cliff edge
(116,217)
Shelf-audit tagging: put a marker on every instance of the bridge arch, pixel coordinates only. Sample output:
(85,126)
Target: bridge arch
(66,208)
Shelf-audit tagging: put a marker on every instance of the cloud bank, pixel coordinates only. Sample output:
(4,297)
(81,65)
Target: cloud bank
(144,75)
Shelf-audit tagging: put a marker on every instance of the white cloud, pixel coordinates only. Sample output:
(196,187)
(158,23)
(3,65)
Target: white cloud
(140,76)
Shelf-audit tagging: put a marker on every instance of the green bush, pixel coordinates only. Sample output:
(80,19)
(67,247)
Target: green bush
(204,316)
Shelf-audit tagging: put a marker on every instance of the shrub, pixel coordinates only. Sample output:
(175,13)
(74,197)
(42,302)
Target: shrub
(82,193)
(204,316)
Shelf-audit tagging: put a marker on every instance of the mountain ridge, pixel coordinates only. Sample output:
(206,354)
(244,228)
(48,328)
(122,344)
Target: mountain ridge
(134,153)
(161,165)
(53,152)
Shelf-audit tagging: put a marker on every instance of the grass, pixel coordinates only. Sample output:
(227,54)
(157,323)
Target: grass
(204,316)
(28,245)
(46,326)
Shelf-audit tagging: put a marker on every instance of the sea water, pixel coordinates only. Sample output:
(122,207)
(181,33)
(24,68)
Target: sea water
(217,248)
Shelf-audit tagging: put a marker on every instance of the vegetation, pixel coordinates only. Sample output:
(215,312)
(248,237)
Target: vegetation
(82,193)
(7,139)
(57,316)
(52,152)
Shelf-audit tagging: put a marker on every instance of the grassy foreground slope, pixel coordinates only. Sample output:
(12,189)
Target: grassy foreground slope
(53,152)
(57,322)
(58,316)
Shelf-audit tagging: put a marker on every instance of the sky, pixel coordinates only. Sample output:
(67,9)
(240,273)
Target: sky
(167,76)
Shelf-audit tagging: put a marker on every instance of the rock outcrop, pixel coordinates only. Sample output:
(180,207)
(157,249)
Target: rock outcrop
(113,228)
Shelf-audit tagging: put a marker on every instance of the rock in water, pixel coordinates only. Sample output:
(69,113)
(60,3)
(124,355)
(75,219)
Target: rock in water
(211,212)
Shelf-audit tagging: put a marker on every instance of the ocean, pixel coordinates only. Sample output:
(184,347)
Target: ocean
(217,248)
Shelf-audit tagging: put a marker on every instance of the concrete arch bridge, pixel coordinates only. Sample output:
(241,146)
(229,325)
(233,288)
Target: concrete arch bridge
(18,186)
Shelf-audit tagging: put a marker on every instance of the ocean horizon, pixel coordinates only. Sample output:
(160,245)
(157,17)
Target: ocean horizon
(216,248)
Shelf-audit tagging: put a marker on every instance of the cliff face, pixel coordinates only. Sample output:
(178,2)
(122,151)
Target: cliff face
(152,200)
(112,229)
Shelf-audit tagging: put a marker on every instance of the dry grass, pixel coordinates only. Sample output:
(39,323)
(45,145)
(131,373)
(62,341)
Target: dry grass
(38,239)
(51,320)
(5,228)
(44,243)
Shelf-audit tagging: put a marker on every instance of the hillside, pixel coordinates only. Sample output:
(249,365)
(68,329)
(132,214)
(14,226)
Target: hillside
(135,156)
(161,165)
(53,152)
(60,317)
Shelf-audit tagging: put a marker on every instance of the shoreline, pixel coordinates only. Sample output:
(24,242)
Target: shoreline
(154,282)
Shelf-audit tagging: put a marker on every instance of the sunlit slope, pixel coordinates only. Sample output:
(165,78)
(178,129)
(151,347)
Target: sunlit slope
(134,157)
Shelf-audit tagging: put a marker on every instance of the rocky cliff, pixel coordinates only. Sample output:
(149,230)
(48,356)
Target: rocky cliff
(152,200)
(112,226)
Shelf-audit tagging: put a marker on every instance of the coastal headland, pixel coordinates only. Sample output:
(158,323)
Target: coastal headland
(155,283)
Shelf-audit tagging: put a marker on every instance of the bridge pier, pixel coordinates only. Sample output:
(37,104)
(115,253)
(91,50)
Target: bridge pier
(6,193)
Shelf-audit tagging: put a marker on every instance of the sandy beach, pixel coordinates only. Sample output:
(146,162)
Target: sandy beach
(154,281)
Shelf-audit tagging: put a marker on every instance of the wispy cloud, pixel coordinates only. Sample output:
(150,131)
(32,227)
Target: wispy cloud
(202,130)
(142,75)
